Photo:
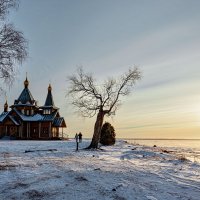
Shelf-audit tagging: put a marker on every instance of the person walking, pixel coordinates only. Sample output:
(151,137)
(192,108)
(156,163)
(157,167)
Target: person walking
(80,137)
(77,140)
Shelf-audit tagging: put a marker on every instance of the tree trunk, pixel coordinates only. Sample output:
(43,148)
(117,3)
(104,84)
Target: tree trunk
(97,130)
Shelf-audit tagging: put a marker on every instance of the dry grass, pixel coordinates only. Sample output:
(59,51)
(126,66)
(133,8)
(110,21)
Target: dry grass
(7,166)
(182,158)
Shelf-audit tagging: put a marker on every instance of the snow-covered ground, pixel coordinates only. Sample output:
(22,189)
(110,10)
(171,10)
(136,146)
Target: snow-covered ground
(124,171)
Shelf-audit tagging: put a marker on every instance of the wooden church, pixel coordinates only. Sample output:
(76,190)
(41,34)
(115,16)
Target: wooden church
(27,120)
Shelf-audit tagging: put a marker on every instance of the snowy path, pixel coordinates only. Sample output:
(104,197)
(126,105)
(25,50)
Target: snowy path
(121,172)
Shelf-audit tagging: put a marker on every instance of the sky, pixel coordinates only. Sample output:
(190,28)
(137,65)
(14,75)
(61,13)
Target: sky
(108,37)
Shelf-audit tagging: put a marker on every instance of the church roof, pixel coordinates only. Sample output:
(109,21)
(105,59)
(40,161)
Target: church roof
(49,100)
(25,97)
(37,117)
(14,120)
(59,122)
(49,117)
(3,115)
(49,103)
(29,118)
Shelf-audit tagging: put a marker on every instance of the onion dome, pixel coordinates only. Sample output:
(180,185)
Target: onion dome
(6,106)
(26,83)
(49,88)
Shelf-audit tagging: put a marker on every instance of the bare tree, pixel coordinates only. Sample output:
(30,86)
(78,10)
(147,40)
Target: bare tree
(5,5)
(92,99)
(13,46)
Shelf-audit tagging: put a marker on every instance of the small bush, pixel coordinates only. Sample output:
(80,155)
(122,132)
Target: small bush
(107,134)
(182,158)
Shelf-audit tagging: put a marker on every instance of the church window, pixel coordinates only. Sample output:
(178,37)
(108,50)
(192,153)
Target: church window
(45,130)
(47,111)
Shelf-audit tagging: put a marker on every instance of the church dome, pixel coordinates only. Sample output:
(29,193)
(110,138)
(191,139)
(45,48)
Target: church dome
(6,106)
(49,88)
(26,83)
